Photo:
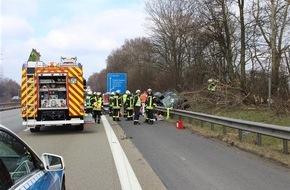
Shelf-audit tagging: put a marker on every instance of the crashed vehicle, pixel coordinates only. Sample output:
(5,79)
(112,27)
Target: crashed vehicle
(171,99)
(158,97)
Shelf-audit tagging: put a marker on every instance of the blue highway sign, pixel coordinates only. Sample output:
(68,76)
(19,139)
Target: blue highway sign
(116,81)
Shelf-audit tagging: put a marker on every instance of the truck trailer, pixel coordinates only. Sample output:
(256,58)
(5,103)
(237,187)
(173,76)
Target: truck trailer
(52,94)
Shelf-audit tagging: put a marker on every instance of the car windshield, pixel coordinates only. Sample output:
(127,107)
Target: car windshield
(16,157)
(170,100)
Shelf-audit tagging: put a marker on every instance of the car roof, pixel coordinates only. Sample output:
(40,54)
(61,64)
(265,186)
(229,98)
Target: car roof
(7,129)
(2,126)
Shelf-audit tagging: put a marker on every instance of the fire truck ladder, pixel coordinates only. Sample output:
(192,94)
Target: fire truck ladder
(30,100)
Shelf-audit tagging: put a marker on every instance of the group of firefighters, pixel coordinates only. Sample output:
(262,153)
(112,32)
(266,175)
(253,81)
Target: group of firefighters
(133,105)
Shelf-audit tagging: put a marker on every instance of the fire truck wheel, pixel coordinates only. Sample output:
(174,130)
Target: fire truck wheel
(80,127)
(36,129)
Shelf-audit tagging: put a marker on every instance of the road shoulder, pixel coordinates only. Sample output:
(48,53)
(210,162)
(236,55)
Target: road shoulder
(145,174)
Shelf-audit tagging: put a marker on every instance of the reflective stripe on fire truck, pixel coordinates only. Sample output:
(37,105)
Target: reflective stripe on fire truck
(28,94)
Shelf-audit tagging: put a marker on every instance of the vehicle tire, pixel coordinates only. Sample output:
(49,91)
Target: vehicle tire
(63,184)
(80,127)
(36,129)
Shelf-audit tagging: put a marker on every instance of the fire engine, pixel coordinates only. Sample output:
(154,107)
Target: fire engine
(52,94)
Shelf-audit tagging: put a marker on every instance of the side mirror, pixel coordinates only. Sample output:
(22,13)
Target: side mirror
(52,162)
(85,83)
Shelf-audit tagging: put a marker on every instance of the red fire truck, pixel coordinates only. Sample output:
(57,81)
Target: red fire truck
(52,94)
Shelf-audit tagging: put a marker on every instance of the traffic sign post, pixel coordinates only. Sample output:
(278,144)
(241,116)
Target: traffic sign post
(116,81)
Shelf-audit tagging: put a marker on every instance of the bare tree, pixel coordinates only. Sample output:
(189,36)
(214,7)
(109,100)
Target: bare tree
(272,19)
(98,81)
(135,58)
(9,88)
(221,25)
(241,4)
(141,70)
(117,61)
(171,27)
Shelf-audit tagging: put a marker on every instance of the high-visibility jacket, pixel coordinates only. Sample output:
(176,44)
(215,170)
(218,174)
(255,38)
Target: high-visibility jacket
(97,104)
(129,102)
(111,100)
(137,101)
(117,101)
(150,102)
(88,101)
(212,87)
(124,98)
(92,100)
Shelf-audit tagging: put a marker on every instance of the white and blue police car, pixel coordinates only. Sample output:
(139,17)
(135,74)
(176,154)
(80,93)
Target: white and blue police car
(22,169)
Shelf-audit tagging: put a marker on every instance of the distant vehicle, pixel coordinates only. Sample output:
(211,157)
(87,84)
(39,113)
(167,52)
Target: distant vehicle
(21,168)
(15,98)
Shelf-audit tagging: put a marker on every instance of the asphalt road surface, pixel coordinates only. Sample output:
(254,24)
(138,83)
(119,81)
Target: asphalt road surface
(87,154)
(183,160)
(161,156)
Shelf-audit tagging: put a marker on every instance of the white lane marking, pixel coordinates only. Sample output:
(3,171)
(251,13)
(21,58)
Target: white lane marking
(26,129)
(126,174)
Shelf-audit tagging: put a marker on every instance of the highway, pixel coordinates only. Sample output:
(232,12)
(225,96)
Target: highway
(161,157)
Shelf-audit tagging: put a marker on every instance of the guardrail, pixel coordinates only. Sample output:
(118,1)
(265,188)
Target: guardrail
(281,132)
(10,105)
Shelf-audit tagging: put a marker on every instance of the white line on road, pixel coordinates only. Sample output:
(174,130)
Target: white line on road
(126,174)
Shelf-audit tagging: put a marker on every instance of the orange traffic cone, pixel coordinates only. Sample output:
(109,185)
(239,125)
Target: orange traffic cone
(179,124)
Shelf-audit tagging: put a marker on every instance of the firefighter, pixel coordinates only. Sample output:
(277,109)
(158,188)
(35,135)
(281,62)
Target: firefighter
(117,102)
(92,99)
(124,101)
(212,85)
(88,105)
(143,97)
(129,106)
(150,105)
(124,98)
(97,103)
(111,103)
(137,105)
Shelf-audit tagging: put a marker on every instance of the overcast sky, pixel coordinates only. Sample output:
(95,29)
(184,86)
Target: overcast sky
(88,29)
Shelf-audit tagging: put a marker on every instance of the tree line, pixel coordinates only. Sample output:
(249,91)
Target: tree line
(9,88)
(242,44)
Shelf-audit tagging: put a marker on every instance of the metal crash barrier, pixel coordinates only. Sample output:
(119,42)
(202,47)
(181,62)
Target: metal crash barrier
(277,131)
(9,105)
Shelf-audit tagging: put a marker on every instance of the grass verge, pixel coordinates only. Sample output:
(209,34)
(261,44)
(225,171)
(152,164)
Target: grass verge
(271,147)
